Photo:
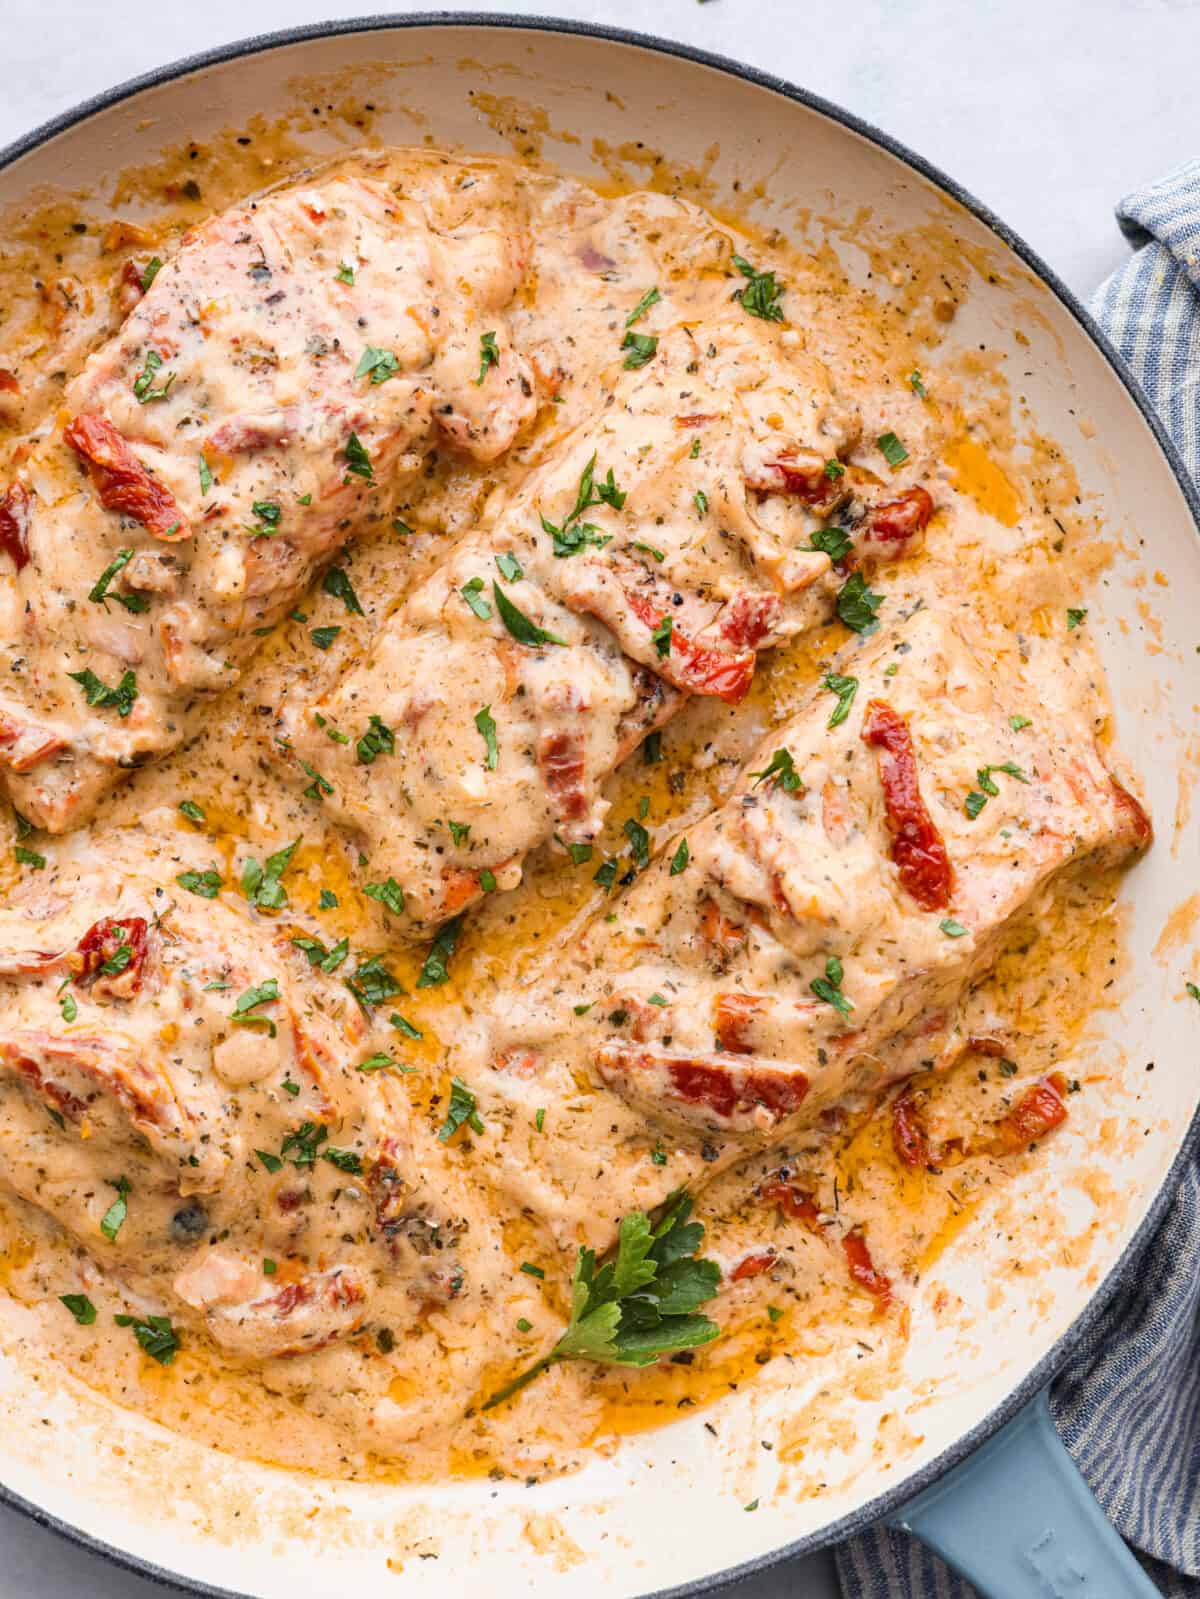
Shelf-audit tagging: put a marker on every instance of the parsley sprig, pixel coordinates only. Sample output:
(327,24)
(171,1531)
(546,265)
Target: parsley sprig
(570,535)
(640,1304)
(761,295)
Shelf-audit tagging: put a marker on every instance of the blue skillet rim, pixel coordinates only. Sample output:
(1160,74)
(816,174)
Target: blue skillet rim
(1122,1272)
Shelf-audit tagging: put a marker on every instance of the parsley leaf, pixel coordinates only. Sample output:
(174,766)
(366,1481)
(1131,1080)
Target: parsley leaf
(344,273)
(834,542)
(250,999)
(389,894)
(829,987)
(143,385)
(680,858)
(1075,618)
(435,970)
(24,856)
(337,584)
(518,624)
(119,699)
(856,605)
(661,634)
(99,595)
(642,348)
(155,1334)
(191,810)
(379,364)
(651,297)
(376,741)
(891,449)
(472,592)
(571,535)
(261,884)
(489,356)
(988,789)
(510,567)
(463,1111)
(149,272)
(641,1303)
(323,637)
(953,929)
(206,884)
(114,1217)
(782,771)
(487,728)
(206,477)
(916,384)
(761,295)
(358,462)
(80,1307)
(372,983)
(845,688)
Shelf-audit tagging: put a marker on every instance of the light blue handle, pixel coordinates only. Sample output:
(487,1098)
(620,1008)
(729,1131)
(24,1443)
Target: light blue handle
(1017,1519)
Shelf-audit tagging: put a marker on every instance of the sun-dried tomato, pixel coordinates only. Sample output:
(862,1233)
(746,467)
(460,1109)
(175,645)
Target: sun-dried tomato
(918,848)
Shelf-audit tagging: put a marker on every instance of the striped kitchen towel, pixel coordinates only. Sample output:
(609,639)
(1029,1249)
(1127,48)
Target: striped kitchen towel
(1128,1404)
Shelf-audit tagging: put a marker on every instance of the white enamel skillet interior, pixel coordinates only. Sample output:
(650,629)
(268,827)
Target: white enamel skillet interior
(666,1511)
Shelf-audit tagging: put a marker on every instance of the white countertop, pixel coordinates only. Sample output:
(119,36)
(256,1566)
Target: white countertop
(1046,110)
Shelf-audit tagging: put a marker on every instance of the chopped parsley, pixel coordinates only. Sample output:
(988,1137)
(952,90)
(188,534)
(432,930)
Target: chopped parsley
(376,741)
(24,856)
(404,1027)
(119,699)
(304,1144)
(206,477)
(761,295)
(149,272)
(389,894)
(191,810)
(640,1304)
(1075,618)
(571,534)
(155,1334)
(834,542)
(379,365)
(325,960)
(66,1003)
(323,637)
(382,1062)
(510,567)
(248,1002)
(143,385)
(651,297)
(262,885)
(518,624)
(460,832)
(829,987)
(99,595)
(781,771)
(487,730)
(641,349)
(319,786)
(978,798)
(435,969)
(953,929)
(845,688)
(344,1159)
(372,983)
(916,384)
(114,1217)
(80,1307)
(358,462)
(891,449)
(834,469)
(856,605)
(1193,991)
(661,635)
(680,858)
(344,273)
(337,584)
(700,501)
(652,748)
(489,356)
(206,884)
(463,1111)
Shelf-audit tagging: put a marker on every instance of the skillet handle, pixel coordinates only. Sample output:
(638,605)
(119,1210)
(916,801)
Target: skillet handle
(1018,1521)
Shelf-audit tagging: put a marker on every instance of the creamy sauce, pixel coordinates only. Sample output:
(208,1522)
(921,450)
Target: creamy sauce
(349,1315)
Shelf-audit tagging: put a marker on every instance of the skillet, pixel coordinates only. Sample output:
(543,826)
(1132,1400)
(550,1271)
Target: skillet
(961,1449)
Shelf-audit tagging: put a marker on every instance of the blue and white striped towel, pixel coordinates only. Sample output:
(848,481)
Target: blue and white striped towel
(1128,1404)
